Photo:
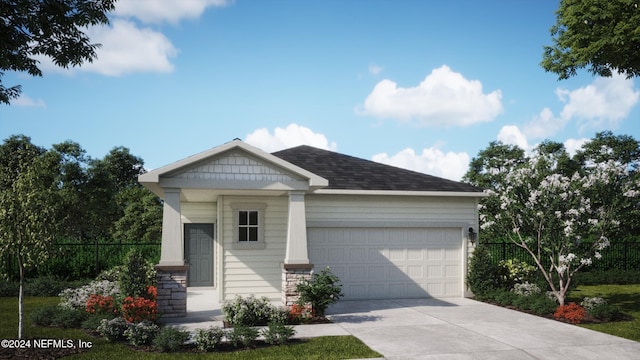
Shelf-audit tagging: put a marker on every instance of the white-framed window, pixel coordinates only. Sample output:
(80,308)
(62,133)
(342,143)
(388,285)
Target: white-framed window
(248,226)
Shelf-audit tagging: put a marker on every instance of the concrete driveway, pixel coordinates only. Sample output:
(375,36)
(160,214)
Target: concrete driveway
(466,329)
(455,328)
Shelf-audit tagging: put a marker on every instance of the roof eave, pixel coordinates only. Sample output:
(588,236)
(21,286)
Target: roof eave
(470,194)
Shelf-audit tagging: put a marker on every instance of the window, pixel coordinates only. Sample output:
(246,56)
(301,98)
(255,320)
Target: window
(248,226)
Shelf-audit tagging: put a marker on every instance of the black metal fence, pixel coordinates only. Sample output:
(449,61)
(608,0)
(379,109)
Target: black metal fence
(83,260)
(618,256)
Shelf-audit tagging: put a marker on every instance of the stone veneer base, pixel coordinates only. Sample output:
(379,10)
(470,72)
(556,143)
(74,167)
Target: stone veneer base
(292,274)
(172,290)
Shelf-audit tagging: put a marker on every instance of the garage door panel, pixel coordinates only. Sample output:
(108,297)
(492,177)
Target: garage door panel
(382,263)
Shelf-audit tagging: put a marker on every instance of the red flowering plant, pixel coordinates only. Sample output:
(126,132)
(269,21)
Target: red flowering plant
(301,314)
(572,313)
(139,309)
(101,305)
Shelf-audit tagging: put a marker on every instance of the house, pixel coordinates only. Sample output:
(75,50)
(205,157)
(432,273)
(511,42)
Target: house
(250,222)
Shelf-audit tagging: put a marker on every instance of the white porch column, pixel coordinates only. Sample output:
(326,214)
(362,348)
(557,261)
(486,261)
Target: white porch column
(296,230)
(172,251)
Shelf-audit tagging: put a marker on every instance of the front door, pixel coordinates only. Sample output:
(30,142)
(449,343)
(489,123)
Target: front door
(199,250)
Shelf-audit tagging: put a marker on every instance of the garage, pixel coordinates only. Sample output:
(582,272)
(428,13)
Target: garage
(388,263)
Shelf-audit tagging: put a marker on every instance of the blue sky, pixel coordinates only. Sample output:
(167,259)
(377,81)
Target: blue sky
(423,85)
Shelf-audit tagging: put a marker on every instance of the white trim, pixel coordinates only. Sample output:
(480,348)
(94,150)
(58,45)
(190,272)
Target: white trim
(401,193)
(388,224)
(153,177)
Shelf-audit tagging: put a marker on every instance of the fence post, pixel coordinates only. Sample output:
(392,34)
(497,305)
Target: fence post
(97,257)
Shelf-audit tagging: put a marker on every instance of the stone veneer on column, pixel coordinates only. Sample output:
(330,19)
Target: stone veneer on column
(172,290)
(292,274)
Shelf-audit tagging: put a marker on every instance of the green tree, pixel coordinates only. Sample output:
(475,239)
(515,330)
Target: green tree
(600,34)
(29,199)
(142,217)
(488,171)
(53,28)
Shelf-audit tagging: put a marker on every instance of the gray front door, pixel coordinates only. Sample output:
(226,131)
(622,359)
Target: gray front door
(198,240)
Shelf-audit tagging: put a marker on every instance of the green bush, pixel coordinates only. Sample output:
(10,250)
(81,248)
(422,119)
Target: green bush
(537,303)
(248,311)
(9,288)
(277,333)
(142,333)
(503,297)
(49,285)
(170,339)
(606,312)
(242,336)
(320,291)
(517,271)
(93,321)
(44,316)
(136,276)
(484,275)
(58,316)
(209,339)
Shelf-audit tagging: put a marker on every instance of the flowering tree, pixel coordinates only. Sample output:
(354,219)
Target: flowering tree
(560,220)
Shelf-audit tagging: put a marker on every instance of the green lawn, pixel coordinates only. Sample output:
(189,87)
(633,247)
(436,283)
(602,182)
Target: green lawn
(627,297)
(330,347)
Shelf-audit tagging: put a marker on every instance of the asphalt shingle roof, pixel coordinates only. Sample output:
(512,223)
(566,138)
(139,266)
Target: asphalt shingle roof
(352,173)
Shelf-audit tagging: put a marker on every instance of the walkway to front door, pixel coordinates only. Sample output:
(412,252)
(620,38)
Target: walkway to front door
(198,241)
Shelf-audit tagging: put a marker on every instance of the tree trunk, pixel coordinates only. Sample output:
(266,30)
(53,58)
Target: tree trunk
(21,299)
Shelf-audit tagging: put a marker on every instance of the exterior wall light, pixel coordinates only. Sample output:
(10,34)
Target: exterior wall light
(472,235)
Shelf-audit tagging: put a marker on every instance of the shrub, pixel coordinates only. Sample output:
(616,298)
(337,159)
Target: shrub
(46,285)
(136,276)
(142,333)
(57,316)
(9,288)
(277,333)
(92,322)
(601,310)
(66,318)
(526,289)
(170,339)
(242,336)
(44,316)
(320,291)
(541,304)
(76,298)
(572,313)
(140,309)
(589,303)
(209,339)
(503,297)
(113,329)
(517,271)
(248,311)
(101,305)
(484,275)
(301,314)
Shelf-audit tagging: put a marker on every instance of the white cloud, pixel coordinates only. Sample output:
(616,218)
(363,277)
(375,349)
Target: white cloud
(443,98)
(511,135)
(172,11)
(601,105)
(26,101)
(291,136)
(573,145)
(375,69)
(129,49)
(432,161)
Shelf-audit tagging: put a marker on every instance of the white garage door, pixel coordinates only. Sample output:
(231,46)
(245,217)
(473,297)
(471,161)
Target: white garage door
(390,263)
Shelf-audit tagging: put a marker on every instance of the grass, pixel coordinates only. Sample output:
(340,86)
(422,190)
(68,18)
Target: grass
(328,347)
(626,297)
